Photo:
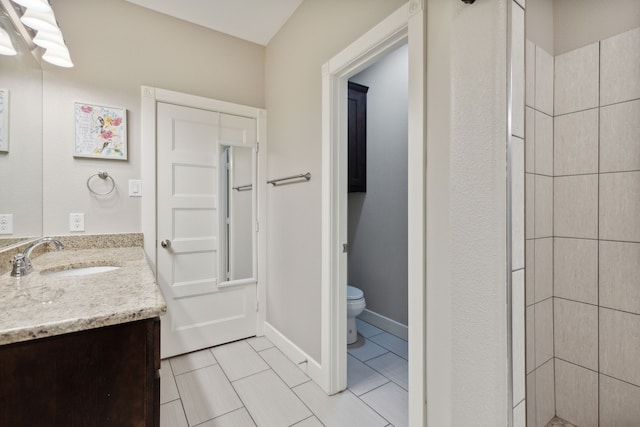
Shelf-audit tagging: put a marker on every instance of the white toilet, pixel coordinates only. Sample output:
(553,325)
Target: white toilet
(355,305)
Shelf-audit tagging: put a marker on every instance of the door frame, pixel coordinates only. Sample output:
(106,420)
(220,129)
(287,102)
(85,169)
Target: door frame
(150,97)
(406,25)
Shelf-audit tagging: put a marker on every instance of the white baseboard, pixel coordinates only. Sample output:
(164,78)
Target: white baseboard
(295,354)
(386,324)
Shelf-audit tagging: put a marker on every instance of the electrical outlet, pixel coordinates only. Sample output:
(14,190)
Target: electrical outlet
(76,222)
(6,223)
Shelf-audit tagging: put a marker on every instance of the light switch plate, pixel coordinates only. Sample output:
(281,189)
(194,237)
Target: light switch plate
(135,188)
(76,222)
(6,223)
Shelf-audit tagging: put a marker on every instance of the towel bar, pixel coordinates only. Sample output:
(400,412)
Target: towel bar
(306,177)
(246,187)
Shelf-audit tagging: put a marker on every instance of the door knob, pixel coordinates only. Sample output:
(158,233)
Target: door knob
(165,243)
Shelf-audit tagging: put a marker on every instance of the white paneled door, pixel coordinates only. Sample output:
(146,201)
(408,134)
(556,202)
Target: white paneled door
(201,313)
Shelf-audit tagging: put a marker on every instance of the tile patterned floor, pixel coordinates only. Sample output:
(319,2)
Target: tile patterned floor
(559,422)
(252,383)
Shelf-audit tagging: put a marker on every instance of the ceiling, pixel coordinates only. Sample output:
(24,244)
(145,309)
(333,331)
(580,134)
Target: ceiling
(254,20)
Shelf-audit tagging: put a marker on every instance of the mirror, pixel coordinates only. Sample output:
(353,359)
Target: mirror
(237,207)
(21,164)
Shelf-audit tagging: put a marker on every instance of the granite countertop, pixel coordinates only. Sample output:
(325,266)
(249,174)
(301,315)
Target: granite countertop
(37,305)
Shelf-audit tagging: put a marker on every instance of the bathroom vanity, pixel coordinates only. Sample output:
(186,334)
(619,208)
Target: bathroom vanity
(79,343)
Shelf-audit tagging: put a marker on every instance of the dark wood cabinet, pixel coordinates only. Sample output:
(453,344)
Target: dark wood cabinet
(357,137)
(106,376)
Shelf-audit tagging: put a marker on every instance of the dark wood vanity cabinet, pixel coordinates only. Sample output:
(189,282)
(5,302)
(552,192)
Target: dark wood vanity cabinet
(107,376)
(357,137)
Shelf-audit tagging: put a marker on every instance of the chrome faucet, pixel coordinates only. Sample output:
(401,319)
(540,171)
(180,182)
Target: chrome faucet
(22,261)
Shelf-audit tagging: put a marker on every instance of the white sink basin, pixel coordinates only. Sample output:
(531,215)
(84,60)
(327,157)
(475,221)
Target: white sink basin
(81,271)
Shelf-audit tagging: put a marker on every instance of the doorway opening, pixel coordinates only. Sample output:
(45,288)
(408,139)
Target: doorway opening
(377,349)
(406,26)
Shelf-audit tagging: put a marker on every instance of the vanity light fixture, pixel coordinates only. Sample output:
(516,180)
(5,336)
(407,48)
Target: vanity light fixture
(40,21)
(39,5)
(49,39)
(39,16)
(6,47)
(58,56)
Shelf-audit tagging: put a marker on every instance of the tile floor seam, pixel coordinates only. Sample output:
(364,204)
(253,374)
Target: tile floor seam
(375,388)
(252,349)
(172,400)
(250,375)
(193,370)
(399,355)
(266,348)
(247,409)
(286,385)
(222,415)
(184,412)
(373,409)
(365,392)
(234,390)
(313,415)
(366,360)
(283,380)
(244,405)
(390,380)
(391,351)
(278,375)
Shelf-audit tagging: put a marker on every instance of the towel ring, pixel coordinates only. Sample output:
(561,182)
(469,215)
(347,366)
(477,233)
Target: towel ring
(105,176)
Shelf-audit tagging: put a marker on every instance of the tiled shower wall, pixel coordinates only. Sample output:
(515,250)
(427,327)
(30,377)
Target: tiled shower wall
(539,236)
(583,234)
(597,233)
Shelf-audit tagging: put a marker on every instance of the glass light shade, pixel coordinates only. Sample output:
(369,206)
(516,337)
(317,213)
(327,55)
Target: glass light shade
(40,21)
(59,57)
(6,47)
(49,40)
(39,5)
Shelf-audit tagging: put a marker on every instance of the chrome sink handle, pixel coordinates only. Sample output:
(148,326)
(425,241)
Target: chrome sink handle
(22,261)
(19,266)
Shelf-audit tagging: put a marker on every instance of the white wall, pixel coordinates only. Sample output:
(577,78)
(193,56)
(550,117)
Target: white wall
(378,218)
(559,26)
(117,47)
(578,23)
(317,31)
(539,23)
(466,213)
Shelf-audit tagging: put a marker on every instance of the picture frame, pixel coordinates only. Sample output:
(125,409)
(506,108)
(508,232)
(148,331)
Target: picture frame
(4,120)
(100,131)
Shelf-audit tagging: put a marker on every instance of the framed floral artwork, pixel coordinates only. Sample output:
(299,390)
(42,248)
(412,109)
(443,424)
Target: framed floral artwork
(4,120)
(101,132)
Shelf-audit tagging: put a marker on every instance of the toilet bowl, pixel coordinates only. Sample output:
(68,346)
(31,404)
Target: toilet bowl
(355,305)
